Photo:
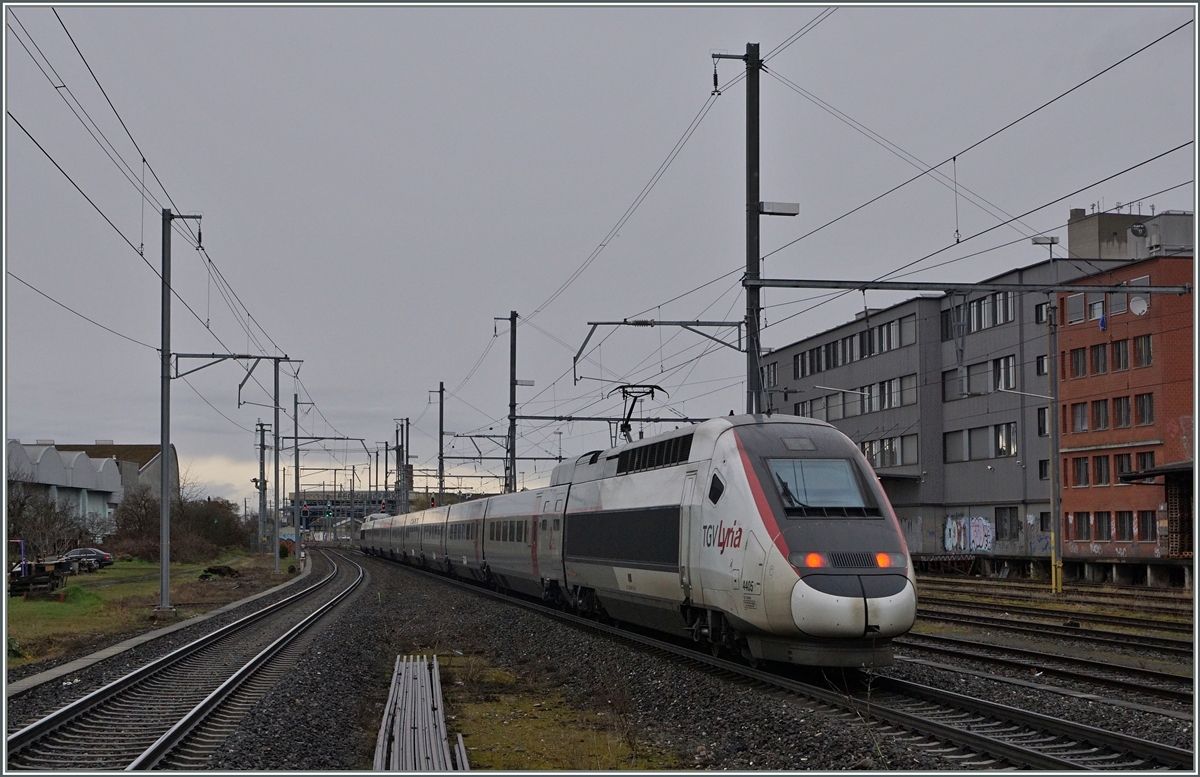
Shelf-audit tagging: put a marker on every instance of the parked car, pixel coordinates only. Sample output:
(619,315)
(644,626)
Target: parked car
(101,558)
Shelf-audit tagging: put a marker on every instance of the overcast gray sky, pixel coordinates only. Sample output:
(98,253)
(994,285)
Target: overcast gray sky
(378,184)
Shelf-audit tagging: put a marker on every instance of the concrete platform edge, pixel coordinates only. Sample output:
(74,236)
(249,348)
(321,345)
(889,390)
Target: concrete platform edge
(32,681)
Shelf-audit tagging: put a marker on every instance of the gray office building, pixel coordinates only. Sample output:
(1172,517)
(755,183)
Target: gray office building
(952,418)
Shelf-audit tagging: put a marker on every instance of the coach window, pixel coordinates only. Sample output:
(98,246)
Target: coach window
(555,524)
(543,524)
(716,489)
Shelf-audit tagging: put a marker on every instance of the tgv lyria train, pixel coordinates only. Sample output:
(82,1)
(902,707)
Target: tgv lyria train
(764,535)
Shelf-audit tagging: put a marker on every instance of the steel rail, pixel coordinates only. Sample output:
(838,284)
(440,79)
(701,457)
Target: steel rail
(1037,659)
(982,743)
(154,754)
(1155,624)
(1180,647)
(36,730)
(1172,757)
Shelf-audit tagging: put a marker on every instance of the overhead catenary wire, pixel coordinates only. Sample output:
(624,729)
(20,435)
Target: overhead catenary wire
(983,140)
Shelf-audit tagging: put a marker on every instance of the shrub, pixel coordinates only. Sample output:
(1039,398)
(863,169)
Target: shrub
(283,550)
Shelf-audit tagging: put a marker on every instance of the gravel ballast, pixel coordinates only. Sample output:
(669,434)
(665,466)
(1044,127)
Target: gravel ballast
(325,716)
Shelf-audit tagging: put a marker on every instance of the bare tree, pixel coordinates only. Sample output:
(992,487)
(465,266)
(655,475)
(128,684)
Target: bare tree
(50,525)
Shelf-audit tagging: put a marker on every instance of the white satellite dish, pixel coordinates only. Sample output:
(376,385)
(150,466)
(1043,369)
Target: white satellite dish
(1139,306)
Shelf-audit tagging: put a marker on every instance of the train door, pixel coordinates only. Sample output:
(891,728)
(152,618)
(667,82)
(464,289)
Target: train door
(547,534)
(752,574)
(686,511)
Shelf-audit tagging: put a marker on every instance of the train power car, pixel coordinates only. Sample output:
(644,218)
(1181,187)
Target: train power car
(767,536)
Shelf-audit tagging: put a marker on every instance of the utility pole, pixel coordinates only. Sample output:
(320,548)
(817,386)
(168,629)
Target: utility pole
(261,482)
(406,451)
(275,432)
(441,436)
(754,208)
(753,345)
(296,459)
(164,451)
(401,470)
(511,465)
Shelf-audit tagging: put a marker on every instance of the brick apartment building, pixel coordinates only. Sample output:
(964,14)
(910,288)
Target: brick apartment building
(1126,396)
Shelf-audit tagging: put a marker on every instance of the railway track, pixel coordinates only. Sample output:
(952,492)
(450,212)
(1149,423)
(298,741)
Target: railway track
(1026,589)
(1181,626)
(1165,645)
(175,711)
(1169,607)
(972,733)
(1150,682)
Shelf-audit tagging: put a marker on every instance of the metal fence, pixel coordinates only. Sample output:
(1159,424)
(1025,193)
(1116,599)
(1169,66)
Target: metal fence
(412,735)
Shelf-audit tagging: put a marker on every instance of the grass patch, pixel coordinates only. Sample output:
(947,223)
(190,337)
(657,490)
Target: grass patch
(118,600)
(510,722)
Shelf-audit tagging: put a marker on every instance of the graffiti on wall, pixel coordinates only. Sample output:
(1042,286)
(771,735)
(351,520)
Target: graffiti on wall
(969,534)
(911,526)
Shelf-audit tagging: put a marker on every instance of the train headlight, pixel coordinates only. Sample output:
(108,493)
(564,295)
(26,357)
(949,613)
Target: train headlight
(886,560)
(808,560)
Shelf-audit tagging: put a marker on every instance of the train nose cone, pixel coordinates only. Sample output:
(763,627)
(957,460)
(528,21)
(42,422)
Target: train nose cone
(829,606)
(842,606)
(891,603)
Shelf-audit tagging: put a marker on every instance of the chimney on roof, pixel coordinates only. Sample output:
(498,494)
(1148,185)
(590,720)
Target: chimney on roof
(104,442)
(1077,214)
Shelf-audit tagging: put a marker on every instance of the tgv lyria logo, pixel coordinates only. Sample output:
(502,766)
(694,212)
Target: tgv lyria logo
(721,536)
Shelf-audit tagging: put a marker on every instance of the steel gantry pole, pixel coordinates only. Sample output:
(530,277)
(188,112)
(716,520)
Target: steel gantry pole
(441,436)
(164,450)
(511,485)
(296,460)
(275,431)
(753,344)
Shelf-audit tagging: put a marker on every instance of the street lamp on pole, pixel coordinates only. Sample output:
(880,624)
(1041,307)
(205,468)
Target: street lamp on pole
(1056,522)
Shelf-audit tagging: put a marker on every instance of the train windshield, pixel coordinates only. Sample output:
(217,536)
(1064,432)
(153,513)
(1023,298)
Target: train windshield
(817,483)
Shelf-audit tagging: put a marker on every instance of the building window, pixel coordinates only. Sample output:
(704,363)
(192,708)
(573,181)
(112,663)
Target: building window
(1100,470)
(1120,355)
(1143,353)
(1006,439)
(1122,462)
(908,449)
(951,386)
(1040,312)
(1044,469)
(1125,525)
(1080,471)
(1043,365)
(1103,525)
(1145,460)
(1075,311)
(1100,359)
(1095,305)
(908,390)
(796,366)
(1008,527)
(1004,373)
(833,407)
(1147,526)
(1120,412)
(1079,417)
(1100,414)
(1145,409)
(1117,303)
(1078,362)
(1044,520)
(1043,421)
(1083,526)
(801,409)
